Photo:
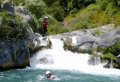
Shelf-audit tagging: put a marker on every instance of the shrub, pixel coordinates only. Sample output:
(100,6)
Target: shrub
(114,49)
(56,11)
(87,18)
(36,7)
(17,2)
(59,14)
(102,4)
(10,26)
(81,25)
(109,56)
(49,2)
(73,12)
(111,9)
(34,23)
(55,27)
(117,19)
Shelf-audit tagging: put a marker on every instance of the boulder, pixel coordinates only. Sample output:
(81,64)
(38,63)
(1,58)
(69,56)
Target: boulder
(6,6)
(71,41)
(14,54)
(39,42)
(88,41)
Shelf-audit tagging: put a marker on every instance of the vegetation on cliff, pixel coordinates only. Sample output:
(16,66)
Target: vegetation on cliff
(10,26)
(69,15)
(114,49)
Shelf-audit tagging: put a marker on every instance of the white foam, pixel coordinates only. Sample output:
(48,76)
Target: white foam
(66,60)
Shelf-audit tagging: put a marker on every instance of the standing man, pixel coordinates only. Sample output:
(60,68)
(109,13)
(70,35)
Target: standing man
(45,25)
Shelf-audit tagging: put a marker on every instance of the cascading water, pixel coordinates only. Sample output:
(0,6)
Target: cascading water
(58,59)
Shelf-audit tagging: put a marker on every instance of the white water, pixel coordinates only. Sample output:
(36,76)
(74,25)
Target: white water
(59,59)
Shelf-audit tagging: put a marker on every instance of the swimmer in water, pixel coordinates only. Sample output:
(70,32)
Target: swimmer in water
(49,75)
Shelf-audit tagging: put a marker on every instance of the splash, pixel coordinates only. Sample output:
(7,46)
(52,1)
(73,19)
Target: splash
(57,58)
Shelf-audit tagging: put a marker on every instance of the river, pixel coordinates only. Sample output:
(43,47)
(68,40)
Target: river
(66,65)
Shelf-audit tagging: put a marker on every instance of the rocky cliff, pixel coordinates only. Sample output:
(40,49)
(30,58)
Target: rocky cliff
(17,39)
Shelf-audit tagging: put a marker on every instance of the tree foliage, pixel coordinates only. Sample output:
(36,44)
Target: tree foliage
(10,26)
(114,49)
(109,56)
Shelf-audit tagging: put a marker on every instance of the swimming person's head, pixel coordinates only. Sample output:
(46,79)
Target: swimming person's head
(48,74)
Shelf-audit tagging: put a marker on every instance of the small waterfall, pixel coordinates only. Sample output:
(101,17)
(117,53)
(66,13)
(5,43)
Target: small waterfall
(111,64)
(94,60)
(57,58)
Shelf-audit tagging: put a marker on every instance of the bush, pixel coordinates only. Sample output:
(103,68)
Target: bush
(49,2)
(109,56)
(36,7)
(55,28)
(87,18)
(56,11)
(17,2)
(114,49)
(99,18)
(34,23)
(111,9)
(81,25)
(117,19)
(59,14)
(102,4)
(73,12)
(10,27)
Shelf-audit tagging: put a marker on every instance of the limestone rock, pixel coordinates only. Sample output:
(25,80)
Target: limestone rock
(88,41)
(14,54)
(17,42)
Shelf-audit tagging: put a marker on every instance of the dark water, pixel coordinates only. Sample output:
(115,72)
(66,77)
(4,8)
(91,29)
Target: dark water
(38,75)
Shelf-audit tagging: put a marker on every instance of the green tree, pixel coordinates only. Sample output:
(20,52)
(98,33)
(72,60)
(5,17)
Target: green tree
(37,7)
(109,56)
(114,49)
(50,2)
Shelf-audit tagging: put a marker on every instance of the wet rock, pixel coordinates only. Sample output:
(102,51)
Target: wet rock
(46,60)
(39,42)
(13,54)
(8,7)
(88,41)
(109,64)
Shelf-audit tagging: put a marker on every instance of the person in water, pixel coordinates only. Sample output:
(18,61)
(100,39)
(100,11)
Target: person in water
(49,75)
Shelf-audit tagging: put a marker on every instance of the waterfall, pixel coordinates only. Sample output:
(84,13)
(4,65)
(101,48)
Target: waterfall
(94,60)
(111,64)
(57,58)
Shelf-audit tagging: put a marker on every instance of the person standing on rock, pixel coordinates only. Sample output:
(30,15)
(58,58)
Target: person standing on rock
(45,25)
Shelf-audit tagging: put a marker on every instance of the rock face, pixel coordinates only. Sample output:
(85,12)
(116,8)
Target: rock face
(88,41)
(17,42)
(14,54)
(38,42)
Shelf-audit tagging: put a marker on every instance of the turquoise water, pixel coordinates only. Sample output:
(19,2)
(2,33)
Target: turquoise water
(66,65)
(38,75)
